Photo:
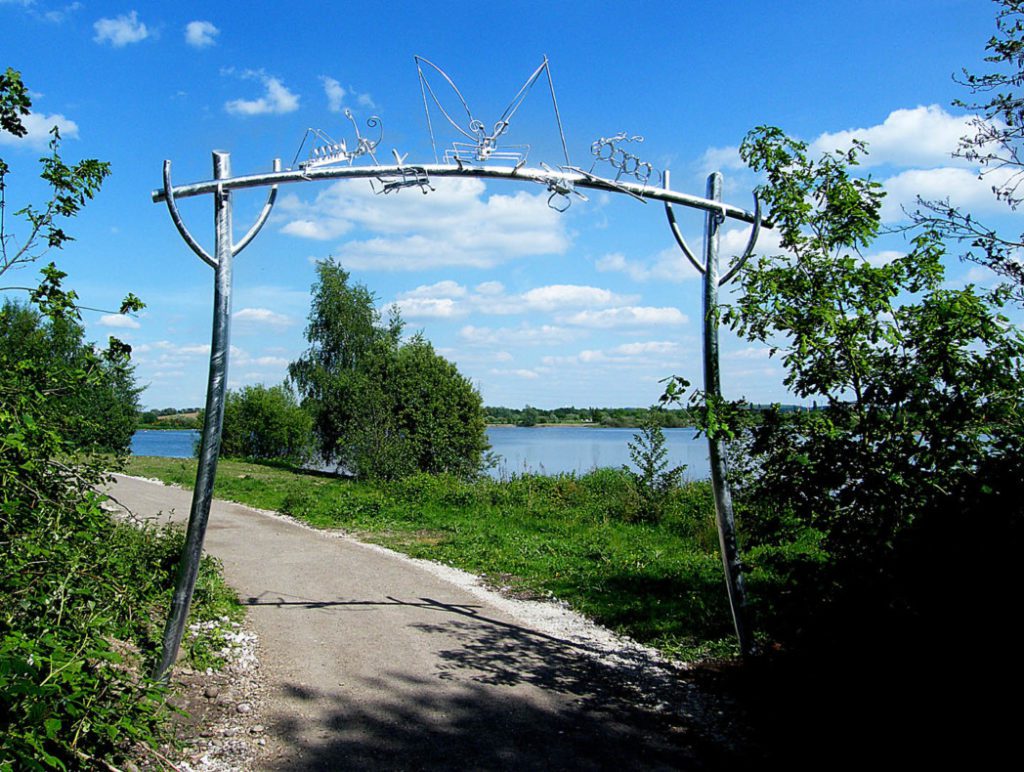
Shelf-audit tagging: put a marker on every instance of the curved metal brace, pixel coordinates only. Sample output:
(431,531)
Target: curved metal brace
(755,231)
(677,233)
(262,219)
(172,207)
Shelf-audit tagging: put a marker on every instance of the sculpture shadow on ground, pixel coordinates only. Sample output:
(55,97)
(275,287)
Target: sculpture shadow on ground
(504,697)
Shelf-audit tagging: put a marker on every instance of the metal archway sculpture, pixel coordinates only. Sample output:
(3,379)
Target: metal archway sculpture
(632,178)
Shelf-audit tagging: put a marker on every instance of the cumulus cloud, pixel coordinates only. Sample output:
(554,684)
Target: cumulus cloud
(437,308)
(262,316)
(448,298)
(201,34)
(38,126)
(628,354)
(119,321)
(524,335)
(458,224)
(962,187)
(120,31)
(517,373)
(626,316)
(917,137)
(276,99)
(335,93)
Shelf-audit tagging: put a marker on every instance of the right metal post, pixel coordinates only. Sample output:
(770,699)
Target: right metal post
(716,451)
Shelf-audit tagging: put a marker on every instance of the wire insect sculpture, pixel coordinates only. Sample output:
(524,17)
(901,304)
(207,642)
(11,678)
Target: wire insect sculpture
(625,163)
(324,151)
(483,143)
(407,177)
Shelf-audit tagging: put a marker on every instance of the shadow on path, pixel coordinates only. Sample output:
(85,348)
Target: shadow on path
(503,697)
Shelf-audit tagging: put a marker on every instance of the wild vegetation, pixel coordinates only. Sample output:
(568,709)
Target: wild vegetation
(589,540)
(81,596)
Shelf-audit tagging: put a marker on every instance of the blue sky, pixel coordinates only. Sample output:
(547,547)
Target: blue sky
(589,307)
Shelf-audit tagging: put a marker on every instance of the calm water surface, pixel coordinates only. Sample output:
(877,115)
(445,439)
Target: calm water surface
(543,449)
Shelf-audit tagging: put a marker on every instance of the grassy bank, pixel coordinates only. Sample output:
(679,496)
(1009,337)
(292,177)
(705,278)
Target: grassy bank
(574,538)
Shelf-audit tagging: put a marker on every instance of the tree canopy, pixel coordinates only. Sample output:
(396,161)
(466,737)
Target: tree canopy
(265,423)
(382,407)
(916,450)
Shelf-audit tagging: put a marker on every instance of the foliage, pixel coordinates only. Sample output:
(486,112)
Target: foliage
(265,423)
(97,404)
(920,435)
(382,408)
(573,537)
(996,145)
(654,480)
(80,595)
(611,417)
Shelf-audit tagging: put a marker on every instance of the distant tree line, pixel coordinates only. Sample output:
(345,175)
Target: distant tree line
(615,417)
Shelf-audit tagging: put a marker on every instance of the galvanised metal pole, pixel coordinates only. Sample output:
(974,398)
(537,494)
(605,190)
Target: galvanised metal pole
(188,569)
(716,451)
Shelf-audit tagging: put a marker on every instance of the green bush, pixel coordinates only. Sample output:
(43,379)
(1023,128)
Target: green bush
(266,424)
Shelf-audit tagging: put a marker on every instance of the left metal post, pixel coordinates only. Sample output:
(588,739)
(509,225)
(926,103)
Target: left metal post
(188,568)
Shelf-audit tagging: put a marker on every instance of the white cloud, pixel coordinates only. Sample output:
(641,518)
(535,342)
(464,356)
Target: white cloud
(438,308)
(717,158)
(627,316)
(442,289)
(38,126)
(524,335)
(916,137)
(262,316)
(884,257)
(519,373)
(276,99)
(490,288)
(120,31)
(659,347)
(960,186)
(335,94)
(120,321)
(318,230)
(201,34)
(440,299)
(456,225)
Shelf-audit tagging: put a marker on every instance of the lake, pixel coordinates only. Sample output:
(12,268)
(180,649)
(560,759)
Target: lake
(540,449)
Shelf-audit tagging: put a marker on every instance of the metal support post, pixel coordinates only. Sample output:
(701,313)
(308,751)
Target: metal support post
(188,569)
(716,451)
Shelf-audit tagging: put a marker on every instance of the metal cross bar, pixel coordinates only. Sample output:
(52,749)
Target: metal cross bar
(526,174)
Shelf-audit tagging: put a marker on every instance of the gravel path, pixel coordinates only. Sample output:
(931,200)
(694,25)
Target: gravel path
(373,660)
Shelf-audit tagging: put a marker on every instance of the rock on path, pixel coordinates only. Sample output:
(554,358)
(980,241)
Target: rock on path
(373,662)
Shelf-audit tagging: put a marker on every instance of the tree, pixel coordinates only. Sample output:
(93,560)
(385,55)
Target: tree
(266,423)
(997,145)
(859,504)
(69,588)
(654,479)
(102,413)
(382,408)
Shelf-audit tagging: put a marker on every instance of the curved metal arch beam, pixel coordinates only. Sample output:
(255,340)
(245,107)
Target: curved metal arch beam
(262,219)
(755,231)
(670,213)
(518,173)
(172,207)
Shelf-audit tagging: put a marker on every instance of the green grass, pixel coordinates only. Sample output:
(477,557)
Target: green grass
(574,538)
